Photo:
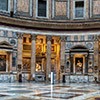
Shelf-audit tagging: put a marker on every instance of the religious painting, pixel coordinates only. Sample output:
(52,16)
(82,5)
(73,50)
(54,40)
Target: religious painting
(79,65)
(2,62)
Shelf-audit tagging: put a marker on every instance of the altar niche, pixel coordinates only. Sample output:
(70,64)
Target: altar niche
(79,56)
(79,65)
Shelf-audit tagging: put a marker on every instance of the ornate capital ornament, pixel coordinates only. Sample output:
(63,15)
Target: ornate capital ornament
(98,37)
(63,39)
(19,35)
(34,36)
(49,38)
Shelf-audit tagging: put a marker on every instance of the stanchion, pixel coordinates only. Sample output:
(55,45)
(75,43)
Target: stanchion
(19,73)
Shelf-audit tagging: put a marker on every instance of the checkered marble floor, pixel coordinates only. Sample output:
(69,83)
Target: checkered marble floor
(42,91)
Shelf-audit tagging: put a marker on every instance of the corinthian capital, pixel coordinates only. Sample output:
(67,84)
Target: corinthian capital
(63,38)
(34,36)
(19,35)
(49,38)
(97,38)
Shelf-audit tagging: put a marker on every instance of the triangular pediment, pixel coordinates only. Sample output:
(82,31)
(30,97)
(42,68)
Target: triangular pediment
(79,48)
(4,43)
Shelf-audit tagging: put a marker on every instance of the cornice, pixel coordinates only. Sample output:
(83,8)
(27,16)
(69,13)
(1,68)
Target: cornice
(47,24)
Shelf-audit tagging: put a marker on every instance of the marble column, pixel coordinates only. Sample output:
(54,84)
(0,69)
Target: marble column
(72,68)
(20,48)
(62,52)
(10,61)
(62,56)
(96,56)
(48,64)
(58,63)
(33,57)
(86,64)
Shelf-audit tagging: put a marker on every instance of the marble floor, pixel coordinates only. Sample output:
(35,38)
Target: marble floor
(43,91)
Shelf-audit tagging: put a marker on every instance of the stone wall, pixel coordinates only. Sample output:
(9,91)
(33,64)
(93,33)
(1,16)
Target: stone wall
(10,38)
(23,5)
(84,41)
(59,9)
(23,8)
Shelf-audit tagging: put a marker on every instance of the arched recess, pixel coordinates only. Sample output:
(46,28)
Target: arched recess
(5,56)
(79,59)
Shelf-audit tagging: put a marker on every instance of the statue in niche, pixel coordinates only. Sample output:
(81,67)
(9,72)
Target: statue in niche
(79,65)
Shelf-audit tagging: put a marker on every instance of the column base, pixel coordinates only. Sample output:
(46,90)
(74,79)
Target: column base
(31,78)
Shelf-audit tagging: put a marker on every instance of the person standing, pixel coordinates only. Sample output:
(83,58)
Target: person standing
(19,73)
